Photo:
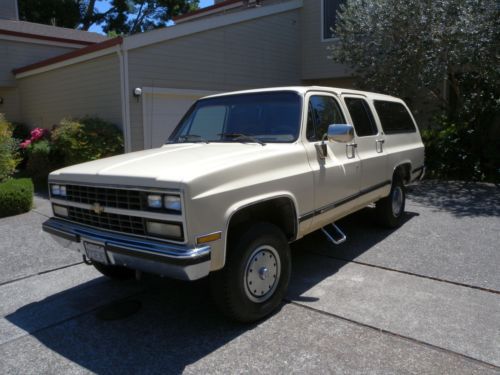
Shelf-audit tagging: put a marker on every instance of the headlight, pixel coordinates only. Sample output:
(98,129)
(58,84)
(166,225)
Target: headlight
(168,202)
(167,230)
(59,190)
(172,202)
(154,201)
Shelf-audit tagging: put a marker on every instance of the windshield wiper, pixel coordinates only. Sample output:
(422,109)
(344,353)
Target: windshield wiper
(191,138)
(242,137)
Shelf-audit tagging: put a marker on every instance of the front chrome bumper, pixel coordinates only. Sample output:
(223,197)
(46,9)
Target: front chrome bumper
(179,262)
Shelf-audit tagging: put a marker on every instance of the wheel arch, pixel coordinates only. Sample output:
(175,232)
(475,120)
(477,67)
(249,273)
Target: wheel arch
(404,169)
(254,209)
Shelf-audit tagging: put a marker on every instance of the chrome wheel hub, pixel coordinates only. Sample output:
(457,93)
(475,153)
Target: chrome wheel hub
(397,201)
(262,273)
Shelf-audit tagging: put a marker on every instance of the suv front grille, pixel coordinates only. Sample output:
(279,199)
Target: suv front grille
(104,220)
(108,197)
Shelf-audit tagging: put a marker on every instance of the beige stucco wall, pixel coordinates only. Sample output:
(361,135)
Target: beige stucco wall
(90,88)
(258,53)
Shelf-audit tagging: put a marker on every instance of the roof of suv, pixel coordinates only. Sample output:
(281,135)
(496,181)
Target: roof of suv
(304,89)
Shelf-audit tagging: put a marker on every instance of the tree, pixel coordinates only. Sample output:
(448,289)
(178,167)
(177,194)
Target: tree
(447,49)
(122,17)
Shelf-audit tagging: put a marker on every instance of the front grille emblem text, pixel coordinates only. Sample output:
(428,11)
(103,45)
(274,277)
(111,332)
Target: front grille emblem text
(97,208)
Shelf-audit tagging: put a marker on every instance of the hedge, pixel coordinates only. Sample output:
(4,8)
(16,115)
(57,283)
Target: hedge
(16,196)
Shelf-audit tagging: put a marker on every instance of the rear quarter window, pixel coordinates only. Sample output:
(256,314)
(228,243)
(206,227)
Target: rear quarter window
(394,117)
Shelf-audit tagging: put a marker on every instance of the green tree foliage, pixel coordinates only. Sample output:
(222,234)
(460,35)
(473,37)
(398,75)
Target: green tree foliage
(414,49)
(121,17)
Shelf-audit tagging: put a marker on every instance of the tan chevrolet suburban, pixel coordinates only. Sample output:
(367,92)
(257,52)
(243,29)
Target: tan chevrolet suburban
(243,175)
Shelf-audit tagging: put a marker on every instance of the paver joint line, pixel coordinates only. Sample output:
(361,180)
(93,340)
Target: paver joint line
(39,273)
(409,273)
(384,331)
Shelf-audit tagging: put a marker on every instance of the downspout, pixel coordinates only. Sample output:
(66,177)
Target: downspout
(124,88)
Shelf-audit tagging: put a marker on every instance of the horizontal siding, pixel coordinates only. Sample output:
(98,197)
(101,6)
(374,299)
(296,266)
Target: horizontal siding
(259,53)
(315,62)
(10,106)
(91,88)
(18,54)
(8,10)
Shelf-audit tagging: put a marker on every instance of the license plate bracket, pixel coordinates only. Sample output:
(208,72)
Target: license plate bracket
(96,252)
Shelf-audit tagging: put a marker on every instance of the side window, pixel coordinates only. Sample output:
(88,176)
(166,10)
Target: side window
(330,8)
(394,117)
(323,111)
(362,117)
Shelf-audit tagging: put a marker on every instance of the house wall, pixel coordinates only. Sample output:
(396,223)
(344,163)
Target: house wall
(18,54)
(315,62)
(90,88)
(258,53)
(8,9)
(11,104)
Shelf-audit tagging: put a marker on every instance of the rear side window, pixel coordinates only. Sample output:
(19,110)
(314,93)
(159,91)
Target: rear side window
(394,117)
(361,116)
(323,112)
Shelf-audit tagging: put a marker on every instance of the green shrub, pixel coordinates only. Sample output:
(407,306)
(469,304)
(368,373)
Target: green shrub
(39,163)
(20,131)
(16,196)
(9,157)
(455,150)
(89,138)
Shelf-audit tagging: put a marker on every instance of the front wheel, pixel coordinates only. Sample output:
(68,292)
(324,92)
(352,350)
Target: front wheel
(256,275)
(390,210)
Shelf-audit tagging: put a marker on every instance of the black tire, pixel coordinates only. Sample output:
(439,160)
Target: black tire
(263,247)
(114,272)
(388,216)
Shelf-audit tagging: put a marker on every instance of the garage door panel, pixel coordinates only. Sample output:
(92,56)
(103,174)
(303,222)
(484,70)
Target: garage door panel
(163,108)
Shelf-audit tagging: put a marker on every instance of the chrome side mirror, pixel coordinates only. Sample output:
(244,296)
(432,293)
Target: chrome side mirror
(342,133)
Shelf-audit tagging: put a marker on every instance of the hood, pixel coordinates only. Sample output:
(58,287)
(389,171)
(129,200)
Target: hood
(169,166)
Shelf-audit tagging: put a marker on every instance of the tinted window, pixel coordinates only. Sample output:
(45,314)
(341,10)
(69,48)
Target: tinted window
(361,116)
(270,117)
(323,111)
(330,8)
(394,117)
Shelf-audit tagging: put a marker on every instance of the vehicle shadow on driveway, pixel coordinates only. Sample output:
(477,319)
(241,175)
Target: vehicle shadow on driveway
(176,324)
(362,233)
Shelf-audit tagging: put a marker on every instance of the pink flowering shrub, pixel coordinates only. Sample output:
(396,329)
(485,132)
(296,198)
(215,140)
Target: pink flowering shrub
(37,134)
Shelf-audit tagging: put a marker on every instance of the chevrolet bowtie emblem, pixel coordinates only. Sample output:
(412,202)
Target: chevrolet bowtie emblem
(97,208)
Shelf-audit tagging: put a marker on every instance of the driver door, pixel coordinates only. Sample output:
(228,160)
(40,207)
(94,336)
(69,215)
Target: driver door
(337,175)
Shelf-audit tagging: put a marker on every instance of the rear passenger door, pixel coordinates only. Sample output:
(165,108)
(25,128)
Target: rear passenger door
(370,143)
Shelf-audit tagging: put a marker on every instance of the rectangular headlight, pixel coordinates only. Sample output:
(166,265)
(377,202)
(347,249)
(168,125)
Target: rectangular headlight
(55,190)
(172,202)
(167,230)
(154,201)
(60,210)
(58,190)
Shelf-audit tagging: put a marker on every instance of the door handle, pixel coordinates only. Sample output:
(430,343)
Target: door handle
(351,152)
(379,145)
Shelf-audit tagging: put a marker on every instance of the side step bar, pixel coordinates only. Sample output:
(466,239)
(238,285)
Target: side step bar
(334,234)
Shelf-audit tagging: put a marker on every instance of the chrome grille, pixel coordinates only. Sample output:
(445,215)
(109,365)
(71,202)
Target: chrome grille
(108,197)
(104,220)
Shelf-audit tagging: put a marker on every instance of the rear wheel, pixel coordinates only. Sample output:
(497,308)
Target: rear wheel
(255,278)
(390,210)
(114,272)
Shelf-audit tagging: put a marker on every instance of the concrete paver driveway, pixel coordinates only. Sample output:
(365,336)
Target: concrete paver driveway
(421,299)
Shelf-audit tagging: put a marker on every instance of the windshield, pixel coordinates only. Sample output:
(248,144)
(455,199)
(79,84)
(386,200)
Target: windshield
(272,117)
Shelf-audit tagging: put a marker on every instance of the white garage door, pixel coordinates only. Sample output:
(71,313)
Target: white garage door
(162,110)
